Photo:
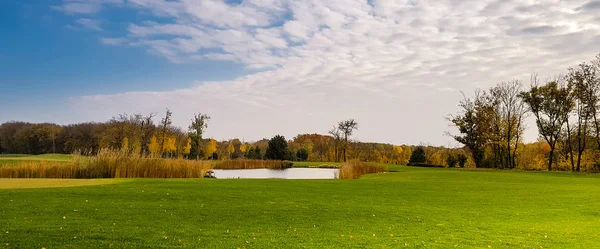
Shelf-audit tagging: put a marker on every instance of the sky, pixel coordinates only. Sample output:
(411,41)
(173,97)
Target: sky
(266,67)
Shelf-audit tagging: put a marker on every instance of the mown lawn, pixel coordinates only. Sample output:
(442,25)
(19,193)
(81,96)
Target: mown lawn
(415,208)
(11,159)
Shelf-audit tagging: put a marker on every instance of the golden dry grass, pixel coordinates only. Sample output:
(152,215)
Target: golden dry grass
(52,183)
(354,169)
(108,164)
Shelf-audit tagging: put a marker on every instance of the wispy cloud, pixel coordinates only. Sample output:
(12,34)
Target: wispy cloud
(384,62)
(89,24)
(74,7)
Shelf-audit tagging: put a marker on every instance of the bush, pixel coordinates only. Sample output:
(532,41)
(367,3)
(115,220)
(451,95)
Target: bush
(462,160)
(277,149)
(302,155)
(451,161)
(418,155)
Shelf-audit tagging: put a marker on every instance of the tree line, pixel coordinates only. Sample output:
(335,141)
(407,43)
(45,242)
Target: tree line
(566,112)
(139,135)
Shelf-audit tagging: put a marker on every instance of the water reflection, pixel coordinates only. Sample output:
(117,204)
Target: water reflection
(293,173)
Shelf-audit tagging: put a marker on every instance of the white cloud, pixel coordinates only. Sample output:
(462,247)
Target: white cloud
(73,7)
(395,66)
(89,24)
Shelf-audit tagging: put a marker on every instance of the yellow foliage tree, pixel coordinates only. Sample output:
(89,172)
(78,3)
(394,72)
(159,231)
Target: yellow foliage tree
(154,147)
(170,145)
(188,147)
(230,149)
(211,147)
(125,145)
(243,148)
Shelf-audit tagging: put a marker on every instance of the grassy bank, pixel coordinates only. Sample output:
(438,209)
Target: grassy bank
(416,208)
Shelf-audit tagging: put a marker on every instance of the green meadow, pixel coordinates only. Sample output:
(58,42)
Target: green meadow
(412,208)
(12,159)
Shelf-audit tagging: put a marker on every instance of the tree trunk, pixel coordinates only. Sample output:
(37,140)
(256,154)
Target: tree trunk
(551,157)
(569,146)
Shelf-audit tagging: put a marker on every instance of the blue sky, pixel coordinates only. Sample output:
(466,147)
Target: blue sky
(266,67)
(45,59)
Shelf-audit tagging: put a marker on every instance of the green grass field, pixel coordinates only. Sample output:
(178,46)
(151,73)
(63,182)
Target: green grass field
(11,159)
(414,208)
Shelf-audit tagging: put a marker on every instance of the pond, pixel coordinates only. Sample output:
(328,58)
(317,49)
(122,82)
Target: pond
(292,173)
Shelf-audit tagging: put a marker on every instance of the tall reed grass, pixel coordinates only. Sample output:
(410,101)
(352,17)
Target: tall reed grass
(253,164)
(354,169)
(109,164)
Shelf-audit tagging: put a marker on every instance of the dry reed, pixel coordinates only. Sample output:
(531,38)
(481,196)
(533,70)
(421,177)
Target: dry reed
(253,164)
(354,169)
(109,164)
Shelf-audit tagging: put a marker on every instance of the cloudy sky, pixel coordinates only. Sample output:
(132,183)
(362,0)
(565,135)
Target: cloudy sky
(266,67)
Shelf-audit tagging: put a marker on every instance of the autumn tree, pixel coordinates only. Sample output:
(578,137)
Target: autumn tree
(154,147)
(473,125)
(230,149)
(550,104)
(197,127)
(210,149)
(509,111)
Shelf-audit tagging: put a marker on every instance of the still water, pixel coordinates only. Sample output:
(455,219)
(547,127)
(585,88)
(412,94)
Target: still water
(292,173)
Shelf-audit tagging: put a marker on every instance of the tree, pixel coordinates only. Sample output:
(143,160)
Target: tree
(165,123)
(337,137)
(418,155)
(230,149)
(551,105)
(147,130)
(197,127)
(277,148)
(211,148)
(473,125)
(347,128)
(509,113)
(585,90)
(188,146)
(302,154)
(170,146)
(154,147)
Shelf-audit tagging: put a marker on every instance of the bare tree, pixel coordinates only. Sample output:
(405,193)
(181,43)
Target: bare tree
(509,113)
(165,123)
(337,135)
(347,128)
(146,130)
